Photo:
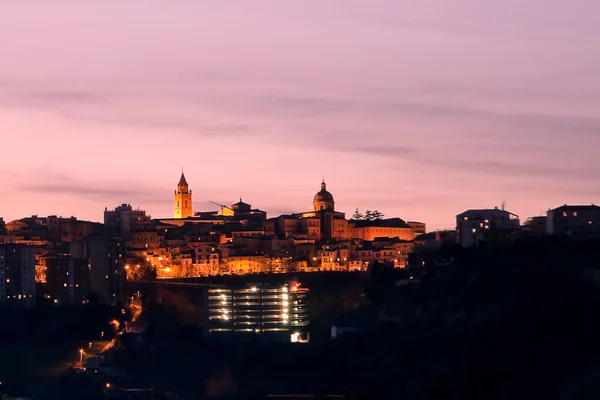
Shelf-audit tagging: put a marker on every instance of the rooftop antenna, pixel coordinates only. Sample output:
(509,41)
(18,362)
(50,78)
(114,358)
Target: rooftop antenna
(503,204)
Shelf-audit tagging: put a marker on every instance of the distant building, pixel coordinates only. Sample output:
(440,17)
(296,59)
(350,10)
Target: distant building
(574,220)
(183,199)
(433,241)
(419,228)
(275,312)
(17,276)
(473,226)
(383,228)
(2,226)
(67,279)
(65,230)
(124,219)
(323,223)
(536,226)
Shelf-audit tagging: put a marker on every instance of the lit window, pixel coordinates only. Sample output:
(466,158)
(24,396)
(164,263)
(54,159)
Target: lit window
(575,213)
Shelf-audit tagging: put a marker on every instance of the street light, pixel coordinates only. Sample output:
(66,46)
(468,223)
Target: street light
(81,357)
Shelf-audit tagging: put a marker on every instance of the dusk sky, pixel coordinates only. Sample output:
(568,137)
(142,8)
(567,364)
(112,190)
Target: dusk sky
(418,108)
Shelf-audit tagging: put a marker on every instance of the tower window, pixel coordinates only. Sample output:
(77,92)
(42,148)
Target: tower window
(177,203)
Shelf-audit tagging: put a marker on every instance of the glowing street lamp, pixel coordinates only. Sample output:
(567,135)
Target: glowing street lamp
(81,356)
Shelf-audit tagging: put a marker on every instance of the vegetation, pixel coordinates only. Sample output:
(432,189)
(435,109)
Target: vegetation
(369,215)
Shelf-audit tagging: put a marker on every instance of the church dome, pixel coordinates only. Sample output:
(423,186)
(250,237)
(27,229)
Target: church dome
(323,199)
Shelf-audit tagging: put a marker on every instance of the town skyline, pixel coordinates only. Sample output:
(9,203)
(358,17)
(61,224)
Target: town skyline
(454,108)
(201,205)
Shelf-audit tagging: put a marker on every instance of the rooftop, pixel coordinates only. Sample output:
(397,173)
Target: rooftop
(383,223)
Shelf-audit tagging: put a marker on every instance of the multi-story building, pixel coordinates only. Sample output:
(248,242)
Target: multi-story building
(17,276)
(473,226)
(433,241)
(536,226)
(70,229)
(276,312)
(106,260)
(419,228)
(382,228)
(67,279)
(574,220)
(124,219)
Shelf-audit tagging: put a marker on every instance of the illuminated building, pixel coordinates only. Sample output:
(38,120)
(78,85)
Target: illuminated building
(183,199)
(322,223)
(473,225)
(267,311)
(573,220)
(383,228)
(17,276)
(419,228)
(67,279)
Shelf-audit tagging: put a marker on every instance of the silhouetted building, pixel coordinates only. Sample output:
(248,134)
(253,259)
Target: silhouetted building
(17,276)
(276,312)
(124,219)
(574,220)
(473,226)
(70,229)
(536,226)
(106,257)
(67,279)
(433,241)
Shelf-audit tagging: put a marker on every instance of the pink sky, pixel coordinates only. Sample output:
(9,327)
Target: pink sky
(418,108)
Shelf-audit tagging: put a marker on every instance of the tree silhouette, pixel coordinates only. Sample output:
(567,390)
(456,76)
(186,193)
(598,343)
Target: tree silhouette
(373,215)
(376,214)
(357,216)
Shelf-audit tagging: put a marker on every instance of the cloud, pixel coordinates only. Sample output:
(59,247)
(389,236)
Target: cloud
(103,191)
(383,150)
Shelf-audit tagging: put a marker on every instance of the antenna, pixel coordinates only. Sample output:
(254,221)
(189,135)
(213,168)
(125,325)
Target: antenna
(503,204)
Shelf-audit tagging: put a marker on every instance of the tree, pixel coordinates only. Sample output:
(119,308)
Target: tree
(372,215)
(357,216)
(376,214)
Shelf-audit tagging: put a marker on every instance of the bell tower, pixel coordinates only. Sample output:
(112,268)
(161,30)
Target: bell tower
(183,199)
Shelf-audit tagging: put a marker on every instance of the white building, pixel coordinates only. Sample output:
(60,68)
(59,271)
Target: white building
(17,276)
(473,225)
